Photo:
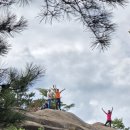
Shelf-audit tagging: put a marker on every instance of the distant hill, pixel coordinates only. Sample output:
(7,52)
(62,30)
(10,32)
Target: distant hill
(58,120)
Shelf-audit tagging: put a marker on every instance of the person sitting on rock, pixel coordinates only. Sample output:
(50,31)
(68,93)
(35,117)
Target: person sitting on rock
(58,96)
(109,114)
(45,105)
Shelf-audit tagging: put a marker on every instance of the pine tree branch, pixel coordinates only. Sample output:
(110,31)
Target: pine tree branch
(4,47)
(9,25)
(91,13)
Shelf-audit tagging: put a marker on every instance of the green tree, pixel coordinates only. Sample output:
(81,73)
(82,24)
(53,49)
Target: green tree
(14,92)
(27,99)
(20,82)
(14,84)
(35,104)
(9,25)
(118,124)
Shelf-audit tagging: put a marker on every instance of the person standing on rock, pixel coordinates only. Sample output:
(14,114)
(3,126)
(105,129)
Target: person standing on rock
(58,96)
(109,114)
(49,97)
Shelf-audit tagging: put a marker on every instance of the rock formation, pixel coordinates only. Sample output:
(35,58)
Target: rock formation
(49,119)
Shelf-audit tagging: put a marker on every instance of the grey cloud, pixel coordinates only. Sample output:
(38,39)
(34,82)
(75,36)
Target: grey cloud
(92,79)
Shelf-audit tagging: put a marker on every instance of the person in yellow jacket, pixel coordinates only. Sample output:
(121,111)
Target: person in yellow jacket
(58,96)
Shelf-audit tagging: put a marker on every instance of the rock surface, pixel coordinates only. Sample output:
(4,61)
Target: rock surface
(48,119)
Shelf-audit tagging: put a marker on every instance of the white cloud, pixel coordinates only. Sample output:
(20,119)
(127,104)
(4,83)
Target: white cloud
(93,103)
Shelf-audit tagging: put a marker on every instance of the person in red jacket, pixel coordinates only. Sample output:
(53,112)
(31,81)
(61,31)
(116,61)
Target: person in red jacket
(109,114)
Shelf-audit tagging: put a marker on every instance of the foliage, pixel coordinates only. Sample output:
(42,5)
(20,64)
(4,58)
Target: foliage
(27,99)
(9,116)
(35,105)
(67,107)
(12,127)
(118,124)
(8,26)
(93,14)
(43,92)
(40,128)
(20,82)
(7,3)
(14,84)
(14,92)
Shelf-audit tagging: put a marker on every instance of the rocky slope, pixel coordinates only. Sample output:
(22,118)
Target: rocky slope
(58,120)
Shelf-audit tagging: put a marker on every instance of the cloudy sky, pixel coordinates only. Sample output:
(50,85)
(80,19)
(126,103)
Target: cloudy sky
(92,79)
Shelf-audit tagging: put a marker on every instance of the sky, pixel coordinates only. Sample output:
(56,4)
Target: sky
(92,79)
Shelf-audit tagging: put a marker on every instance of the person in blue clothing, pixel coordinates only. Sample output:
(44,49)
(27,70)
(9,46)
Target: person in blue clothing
(45,105)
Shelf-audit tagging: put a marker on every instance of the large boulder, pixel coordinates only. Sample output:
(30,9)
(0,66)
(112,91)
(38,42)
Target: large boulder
(49,119)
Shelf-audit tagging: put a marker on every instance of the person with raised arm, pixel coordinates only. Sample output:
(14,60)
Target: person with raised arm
(58,97)
(109,114)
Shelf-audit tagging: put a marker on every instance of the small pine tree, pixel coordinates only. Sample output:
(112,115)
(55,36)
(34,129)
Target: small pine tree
(118,124)
(14,92)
